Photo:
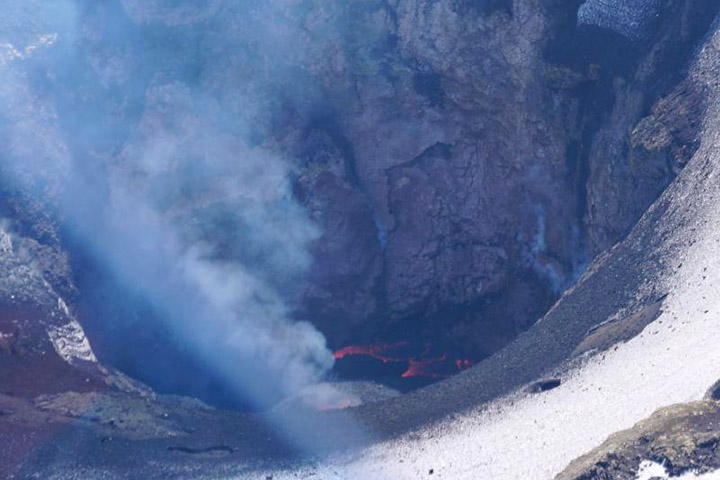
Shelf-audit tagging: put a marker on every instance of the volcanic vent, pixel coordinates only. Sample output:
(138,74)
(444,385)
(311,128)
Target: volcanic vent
(393,363)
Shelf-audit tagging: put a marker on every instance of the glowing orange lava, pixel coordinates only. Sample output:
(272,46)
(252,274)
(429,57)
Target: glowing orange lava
(421,366)
(463,364)
(372,351)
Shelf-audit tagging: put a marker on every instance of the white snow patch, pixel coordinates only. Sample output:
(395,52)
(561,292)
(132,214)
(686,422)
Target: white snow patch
(62,306)
(655,471)
(71,343)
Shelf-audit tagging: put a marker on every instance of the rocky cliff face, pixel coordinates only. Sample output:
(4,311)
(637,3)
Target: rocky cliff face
(512,165)
(470,157)
(43,347)
(678,440)
(441,170)
(463,159)
(469,162)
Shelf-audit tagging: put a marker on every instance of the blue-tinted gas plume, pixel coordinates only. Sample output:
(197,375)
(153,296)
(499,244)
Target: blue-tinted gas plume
(145,126)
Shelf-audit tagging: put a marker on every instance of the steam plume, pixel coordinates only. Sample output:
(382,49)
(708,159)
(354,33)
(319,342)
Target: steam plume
(165,175)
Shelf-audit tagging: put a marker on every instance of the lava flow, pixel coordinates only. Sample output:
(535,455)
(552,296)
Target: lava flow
(372,351)
(417,365)
(424,368)
(463,364)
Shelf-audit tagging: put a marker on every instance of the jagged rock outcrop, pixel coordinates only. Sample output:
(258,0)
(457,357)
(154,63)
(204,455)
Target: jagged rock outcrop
(682,438)
(43,347)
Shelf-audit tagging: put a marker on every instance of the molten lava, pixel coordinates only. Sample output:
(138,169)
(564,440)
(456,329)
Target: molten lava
(463,364)
(422,365)
(424,368)
(372,351)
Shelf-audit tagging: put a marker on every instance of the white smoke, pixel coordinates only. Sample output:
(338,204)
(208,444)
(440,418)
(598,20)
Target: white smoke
(187,212)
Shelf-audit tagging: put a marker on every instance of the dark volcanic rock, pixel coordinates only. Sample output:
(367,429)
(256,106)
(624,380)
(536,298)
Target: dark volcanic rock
(487,162)
(495,154)
(651,127)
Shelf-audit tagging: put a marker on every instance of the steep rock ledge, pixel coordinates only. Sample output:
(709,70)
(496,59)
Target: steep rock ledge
(496,153)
